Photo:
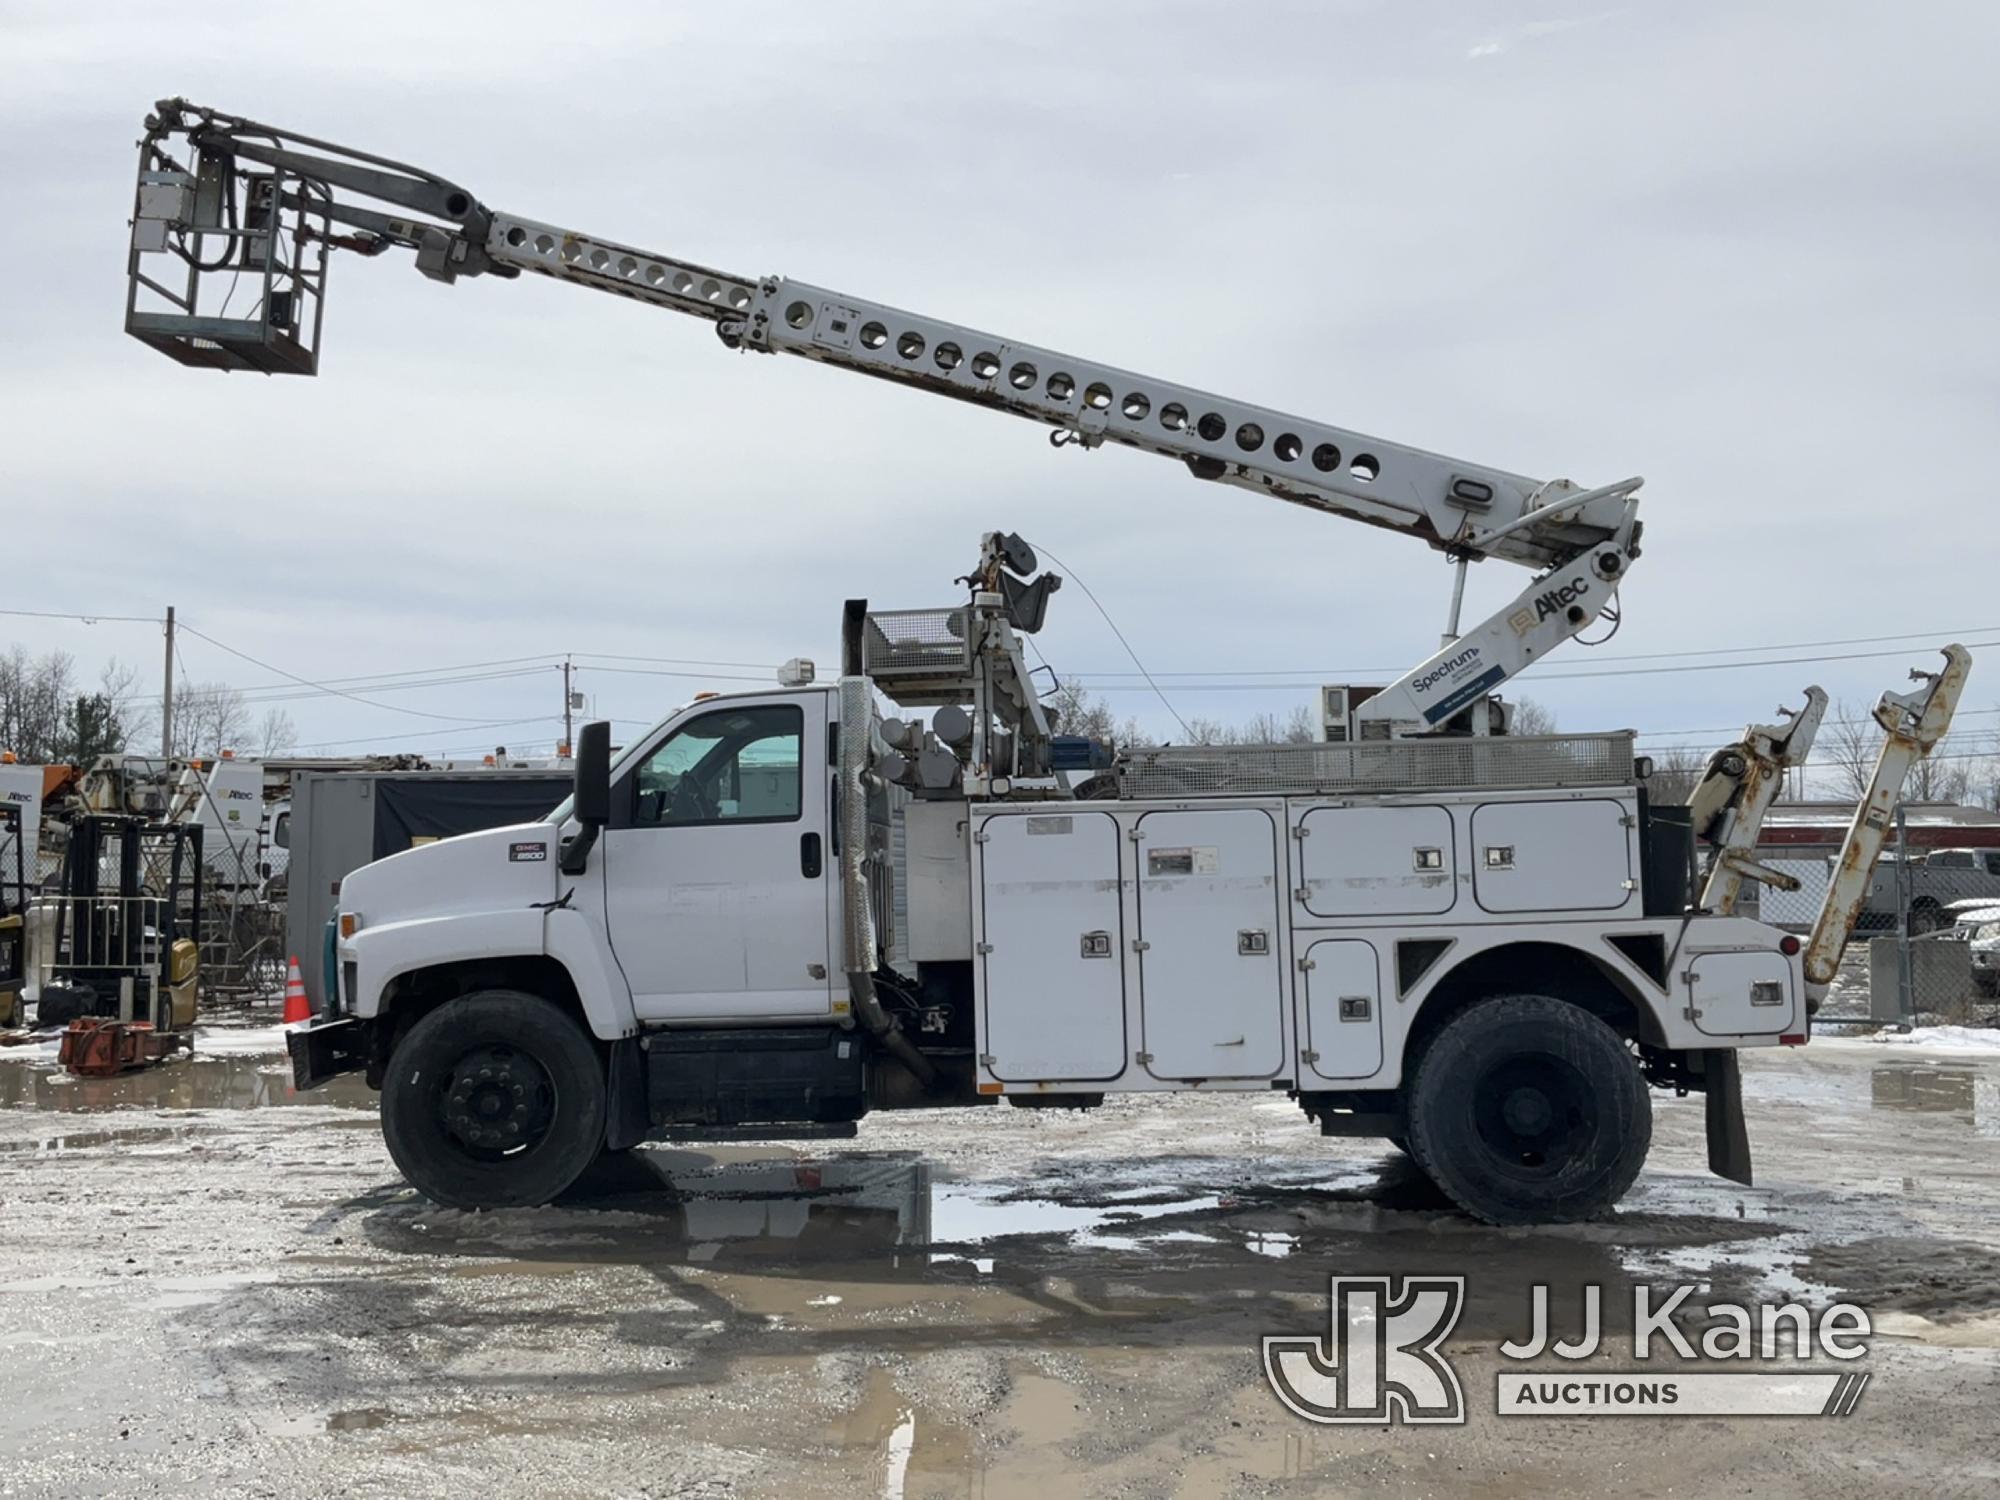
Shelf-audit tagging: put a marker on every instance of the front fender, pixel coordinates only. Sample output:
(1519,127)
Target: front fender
(573,941)
(380,955)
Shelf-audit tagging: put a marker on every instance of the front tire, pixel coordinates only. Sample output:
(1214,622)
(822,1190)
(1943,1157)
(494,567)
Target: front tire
(494,1100)
(1528,1110)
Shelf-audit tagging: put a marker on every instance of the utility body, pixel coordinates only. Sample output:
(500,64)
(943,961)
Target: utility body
(1483,947)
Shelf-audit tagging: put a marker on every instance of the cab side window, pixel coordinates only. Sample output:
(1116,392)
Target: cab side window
(735,765)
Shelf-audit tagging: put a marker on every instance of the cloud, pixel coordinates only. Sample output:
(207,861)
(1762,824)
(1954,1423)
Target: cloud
(1745,251)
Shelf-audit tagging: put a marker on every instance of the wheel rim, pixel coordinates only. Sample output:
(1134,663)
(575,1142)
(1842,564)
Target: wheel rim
(496,1102)
(1534,1113)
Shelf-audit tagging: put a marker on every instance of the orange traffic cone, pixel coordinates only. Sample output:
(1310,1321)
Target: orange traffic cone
(297,1006)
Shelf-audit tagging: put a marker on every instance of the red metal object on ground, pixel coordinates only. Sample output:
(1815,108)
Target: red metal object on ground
(96,1048)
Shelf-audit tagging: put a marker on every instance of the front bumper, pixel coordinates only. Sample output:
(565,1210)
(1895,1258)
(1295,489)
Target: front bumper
(324,1050)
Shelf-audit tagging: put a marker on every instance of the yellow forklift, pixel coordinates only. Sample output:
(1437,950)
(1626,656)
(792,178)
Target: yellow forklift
(127,943)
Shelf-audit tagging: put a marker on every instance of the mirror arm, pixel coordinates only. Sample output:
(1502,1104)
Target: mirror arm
(574,858)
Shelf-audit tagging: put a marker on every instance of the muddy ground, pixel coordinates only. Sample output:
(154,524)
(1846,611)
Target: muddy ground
(208,1285)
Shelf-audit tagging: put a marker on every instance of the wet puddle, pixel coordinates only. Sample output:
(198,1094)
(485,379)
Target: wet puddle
(202,1082)
(1965,1093)
(839,1206)
(866,1240)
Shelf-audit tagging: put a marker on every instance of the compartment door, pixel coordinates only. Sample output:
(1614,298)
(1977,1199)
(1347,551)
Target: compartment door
(1211,983)
(1732,994)
(1553,856)
(1052,947)
(1343,1010)
(1377,862)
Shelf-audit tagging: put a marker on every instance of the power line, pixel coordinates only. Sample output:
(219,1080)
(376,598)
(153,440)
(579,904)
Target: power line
(662,672)
(675,661)
(1072,573)
(1345,674)
(88,619)
(369,739)
(1718,666)
(308,682)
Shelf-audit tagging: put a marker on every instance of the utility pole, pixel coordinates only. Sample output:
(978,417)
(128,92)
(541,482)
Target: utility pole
(568,702)
(167,694)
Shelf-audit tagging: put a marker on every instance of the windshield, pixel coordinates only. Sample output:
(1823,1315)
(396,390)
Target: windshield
(625,752)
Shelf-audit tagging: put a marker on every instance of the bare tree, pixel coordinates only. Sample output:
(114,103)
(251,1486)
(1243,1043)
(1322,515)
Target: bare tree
(136,706)
(36,701)
(275,732)
(209,717)
(1676,773)
(1531,717)
(1073,709)
(45,720)
(1845,749)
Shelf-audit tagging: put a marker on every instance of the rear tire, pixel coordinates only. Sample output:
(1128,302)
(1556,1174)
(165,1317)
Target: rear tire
(1527,1110)
(494,1100)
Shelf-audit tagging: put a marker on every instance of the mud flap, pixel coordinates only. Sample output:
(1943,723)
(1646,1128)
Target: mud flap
(626,1119)
(1728,1136)
(324,1050)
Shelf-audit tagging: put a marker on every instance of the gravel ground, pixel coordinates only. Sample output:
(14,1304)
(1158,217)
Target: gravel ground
(212,1286)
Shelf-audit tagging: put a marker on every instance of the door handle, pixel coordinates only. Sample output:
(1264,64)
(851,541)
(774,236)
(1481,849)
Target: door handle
(809,855)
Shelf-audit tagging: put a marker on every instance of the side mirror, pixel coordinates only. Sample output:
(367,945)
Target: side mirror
(592,806)
(591,803)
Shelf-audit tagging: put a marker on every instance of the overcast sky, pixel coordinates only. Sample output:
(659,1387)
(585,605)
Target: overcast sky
(1746,250)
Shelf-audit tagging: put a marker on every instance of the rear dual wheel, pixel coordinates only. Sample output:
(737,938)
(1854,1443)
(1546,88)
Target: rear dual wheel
(1527,1110)
(494,1100)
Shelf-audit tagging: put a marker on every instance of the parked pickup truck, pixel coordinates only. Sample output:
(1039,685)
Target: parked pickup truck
(1936,880)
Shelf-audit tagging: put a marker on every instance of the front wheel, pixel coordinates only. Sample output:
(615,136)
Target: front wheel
(494,1100)
(1527,1110)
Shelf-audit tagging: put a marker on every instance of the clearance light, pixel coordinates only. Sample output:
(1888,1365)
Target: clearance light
(1788,945)
(704,697)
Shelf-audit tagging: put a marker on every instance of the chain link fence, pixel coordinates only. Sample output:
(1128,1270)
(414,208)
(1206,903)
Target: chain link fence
(1926,951)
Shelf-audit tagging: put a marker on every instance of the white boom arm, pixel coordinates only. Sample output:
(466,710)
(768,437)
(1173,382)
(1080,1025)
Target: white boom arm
(246,196)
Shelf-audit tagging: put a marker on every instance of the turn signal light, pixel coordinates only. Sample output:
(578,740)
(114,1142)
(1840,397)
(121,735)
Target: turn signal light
(350,923)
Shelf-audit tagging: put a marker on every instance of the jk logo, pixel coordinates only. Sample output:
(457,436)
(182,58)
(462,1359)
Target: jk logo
(1380,1362)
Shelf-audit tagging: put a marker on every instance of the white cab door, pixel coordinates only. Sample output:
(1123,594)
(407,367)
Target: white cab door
(1051,947)
(1211,985)
(717,865)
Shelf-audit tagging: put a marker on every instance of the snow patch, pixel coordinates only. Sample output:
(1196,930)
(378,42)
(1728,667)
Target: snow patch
(1943,1038)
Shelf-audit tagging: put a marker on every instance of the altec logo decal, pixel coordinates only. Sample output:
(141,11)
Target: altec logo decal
(1554,601)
